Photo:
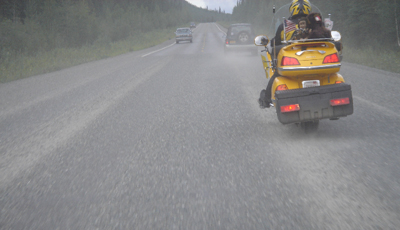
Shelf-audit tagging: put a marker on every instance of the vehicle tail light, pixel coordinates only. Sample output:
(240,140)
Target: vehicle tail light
(290,108)
(333,58)
(281,87)
(338,82)
(290,61)
(227,41)
(340,101)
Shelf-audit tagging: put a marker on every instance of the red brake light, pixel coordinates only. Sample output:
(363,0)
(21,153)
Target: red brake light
(227,41)
(340,101)
(289,61)
(290,108)
(281,87)
(331,58)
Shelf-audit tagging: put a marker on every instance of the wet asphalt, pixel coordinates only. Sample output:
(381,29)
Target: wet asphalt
(173,138)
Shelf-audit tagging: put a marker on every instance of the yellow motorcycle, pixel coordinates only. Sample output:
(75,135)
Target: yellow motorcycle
(308,86)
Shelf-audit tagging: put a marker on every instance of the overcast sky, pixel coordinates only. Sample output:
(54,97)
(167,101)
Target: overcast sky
(226,5)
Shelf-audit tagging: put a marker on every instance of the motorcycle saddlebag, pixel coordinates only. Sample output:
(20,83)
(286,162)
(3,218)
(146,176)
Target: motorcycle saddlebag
(314,103)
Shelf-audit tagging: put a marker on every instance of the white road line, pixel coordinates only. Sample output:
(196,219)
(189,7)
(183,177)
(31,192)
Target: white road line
(158,50)
(219,28)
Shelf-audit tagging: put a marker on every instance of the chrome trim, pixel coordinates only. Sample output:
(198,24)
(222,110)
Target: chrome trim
(310,67)
(301,52)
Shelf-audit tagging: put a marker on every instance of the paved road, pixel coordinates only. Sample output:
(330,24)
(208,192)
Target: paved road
(173,138)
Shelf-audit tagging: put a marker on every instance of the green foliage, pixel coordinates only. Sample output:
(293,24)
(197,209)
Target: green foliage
(364,22)
(12,35)
(22,66)
(38,36)
(79,26)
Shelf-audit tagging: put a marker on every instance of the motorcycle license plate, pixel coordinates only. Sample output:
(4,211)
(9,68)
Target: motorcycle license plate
(232,42)
(312,83)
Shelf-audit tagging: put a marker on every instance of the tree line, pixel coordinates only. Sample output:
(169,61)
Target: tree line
(31,26)
(361,22)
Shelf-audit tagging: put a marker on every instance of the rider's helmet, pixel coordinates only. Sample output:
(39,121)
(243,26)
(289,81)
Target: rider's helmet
(300,8)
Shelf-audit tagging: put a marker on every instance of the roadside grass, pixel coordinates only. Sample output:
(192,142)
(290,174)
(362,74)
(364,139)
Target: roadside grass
(388,60)
(18,67)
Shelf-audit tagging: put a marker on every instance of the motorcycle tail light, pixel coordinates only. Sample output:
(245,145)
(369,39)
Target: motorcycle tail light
(333,58)
(281,87)
(227,41)
(340,101)
(290,108)
(290,61)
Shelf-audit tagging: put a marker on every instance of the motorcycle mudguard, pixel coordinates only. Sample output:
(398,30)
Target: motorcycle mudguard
(314,103)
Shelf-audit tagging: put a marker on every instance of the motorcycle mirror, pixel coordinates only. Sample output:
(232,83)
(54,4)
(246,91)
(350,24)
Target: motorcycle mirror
(261,40)
(336,36)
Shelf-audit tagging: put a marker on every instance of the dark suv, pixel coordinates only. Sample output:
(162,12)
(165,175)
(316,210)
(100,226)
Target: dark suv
(240,37)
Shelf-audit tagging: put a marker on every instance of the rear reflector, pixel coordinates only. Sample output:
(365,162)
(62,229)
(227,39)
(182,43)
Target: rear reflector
(281,87)
(338,82)
(290,108)
(340,101)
